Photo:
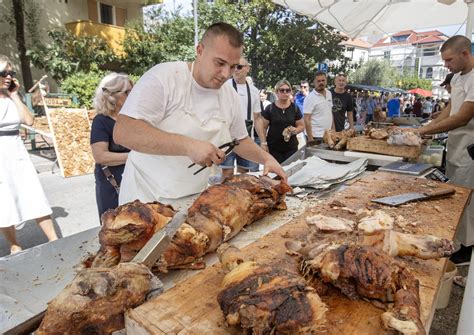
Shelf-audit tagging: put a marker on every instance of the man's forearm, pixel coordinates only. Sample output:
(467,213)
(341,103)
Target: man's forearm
(350,117)
(259,128)
(451,122)
(307,124)
(251,151)
(139,135)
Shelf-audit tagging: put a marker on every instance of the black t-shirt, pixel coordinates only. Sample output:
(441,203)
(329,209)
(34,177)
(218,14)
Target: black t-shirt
(101,131)
(341,103)
(280,119)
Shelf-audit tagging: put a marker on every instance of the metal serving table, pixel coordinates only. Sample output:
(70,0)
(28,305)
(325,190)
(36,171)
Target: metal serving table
(323,151)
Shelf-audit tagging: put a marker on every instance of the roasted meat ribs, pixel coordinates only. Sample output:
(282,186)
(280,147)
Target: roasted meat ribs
(264,299)
(364,271)
(216,216)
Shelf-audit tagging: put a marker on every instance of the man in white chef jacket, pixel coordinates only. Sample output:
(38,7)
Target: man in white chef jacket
(179,113)
(458,119)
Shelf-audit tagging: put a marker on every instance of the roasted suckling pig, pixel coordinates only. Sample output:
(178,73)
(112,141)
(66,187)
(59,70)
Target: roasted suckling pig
(265,299)
(217,215)
(364,271)
(94,302)
(337,140)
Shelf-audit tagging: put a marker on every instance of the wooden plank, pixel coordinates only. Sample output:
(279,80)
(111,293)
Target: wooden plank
(191,306)
(366,144)
(71,138)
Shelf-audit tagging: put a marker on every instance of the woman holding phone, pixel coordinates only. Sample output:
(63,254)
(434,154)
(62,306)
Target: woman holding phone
(21,193)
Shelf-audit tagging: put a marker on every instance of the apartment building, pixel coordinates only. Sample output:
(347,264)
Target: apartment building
(414,53)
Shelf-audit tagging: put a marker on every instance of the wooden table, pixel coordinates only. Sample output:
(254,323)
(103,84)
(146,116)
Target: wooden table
(191,306)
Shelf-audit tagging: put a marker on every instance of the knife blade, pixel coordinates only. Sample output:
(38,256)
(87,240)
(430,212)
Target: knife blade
(413,196)
(292,170)
(156,245)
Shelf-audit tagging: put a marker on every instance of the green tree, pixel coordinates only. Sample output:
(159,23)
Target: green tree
(375,73)
(68,54)
(410,82)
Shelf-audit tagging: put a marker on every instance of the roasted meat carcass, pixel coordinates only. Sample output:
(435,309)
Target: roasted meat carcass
(400,244)
(398,136)
(94,302)
(217,215)
(337,140)
(364,271)
(264,299)
(377,133)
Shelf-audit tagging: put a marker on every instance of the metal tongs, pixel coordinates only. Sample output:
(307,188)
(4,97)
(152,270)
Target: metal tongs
(230,146)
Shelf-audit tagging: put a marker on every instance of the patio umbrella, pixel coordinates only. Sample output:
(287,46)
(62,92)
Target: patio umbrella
(420,91)
(375,17)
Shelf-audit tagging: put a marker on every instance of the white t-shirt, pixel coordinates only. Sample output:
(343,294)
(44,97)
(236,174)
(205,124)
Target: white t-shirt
(427,107)
(254,98)
(320,108)
(164,89)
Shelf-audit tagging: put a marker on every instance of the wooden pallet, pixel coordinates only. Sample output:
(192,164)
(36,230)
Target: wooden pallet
(71,138)
(366,144)
(191,306)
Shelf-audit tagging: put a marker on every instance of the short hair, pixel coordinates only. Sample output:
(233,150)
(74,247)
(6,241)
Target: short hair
(320,73)
(341,75)
(4,62)
(457,43)
(303,82)
(221,28)
(282,82)
(104,99)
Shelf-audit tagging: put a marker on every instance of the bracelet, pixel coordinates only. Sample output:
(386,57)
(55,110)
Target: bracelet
(263,143)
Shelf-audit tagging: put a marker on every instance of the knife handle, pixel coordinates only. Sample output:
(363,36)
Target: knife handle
(441,193)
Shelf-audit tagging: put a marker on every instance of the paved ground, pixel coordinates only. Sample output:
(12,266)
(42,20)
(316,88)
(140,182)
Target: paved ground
(72,200)
(74,210)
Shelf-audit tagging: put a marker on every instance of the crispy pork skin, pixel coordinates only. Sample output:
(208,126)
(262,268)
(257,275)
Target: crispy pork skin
(94,302)
(264,299)
(217,215)
(337,140)
(364,271)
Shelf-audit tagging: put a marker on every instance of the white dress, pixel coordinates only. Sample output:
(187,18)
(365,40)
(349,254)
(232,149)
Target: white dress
(21,195)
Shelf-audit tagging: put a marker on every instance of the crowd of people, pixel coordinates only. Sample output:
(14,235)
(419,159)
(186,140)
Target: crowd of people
(180,113)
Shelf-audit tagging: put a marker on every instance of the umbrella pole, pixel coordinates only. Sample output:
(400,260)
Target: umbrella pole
(470,18)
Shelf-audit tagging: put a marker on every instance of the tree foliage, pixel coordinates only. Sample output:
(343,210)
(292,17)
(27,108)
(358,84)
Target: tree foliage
(375,73)
(410,82)
(68,54)
(278,43)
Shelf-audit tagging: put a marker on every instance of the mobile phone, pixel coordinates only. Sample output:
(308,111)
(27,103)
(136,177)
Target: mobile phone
(470,150)
(12,86)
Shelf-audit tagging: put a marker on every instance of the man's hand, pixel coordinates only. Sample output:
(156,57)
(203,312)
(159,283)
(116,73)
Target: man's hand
(271,165)
(205,153)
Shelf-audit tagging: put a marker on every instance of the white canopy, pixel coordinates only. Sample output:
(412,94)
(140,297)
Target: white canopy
(375,17)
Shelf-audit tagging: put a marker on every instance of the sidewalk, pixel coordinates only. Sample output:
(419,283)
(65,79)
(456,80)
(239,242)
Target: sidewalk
(71,199)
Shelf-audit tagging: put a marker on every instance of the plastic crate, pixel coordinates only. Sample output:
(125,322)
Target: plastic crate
(432,155)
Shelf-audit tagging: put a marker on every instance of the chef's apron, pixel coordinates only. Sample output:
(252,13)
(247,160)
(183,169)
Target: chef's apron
(163,178)
(459,165)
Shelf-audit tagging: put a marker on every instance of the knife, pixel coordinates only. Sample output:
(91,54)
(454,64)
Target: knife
(292,170)
(156,245)
(409,197)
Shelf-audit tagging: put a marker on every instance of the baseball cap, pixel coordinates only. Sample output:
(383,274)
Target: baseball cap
(447,80)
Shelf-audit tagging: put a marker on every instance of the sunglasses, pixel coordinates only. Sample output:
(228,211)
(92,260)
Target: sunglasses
(284,90)
(240,66)
(303,86)
(5,74)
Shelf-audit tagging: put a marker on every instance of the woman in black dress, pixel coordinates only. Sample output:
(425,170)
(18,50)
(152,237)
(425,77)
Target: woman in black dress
(109,157)
(283,121)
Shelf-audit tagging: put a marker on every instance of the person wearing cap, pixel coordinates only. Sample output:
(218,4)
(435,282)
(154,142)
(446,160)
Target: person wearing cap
(458,120)
(447,85)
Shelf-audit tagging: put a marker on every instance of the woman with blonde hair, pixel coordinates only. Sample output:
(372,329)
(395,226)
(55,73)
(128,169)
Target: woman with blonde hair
(21,194)
(284,121)
(109,157)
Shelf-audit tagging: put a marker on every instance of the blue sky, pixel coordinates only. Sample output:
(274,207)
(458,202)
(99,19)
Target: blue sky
(188,5)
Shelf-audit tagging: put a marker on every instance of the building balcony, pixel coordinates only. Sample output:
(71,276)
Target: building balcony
(113,35)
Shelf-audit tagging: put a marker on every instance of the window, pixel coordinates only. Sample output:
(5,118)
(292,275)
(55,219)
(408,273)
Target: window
(386,54)
(401,38)
(433,51)
(106,14)
(429,73)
